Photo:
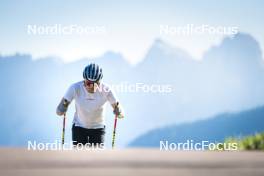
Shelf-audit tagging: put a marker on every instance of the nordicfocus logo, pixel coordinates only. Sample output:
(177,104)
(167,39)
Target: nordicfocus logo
(203,145)
(60,30)
(56,145)
(191,29)
(126,87)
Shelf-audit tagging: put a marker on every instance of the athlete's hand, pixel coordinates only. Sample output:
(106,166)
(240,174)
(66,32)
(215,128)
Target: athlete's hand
(62,107)
(117,111)
(60,113)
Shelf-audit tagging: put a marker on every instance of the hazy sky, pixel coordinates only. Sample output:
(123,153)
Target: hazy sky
(127,27)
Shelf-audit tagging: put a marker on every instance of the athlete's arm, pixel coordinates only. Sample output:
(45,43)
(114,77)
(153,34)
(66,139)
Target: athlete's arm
(117,110)
(62,107)
(114,105)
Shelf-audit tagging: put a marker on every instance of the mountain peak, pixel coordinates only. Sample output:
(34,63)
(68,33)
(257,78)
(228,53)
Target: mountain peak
(242,38)
(160,48)
(242,47)
(111,54)
(160,44)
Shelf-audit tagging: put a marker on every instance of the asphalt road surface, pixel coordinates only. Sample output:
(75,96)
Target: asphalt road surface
(134,162)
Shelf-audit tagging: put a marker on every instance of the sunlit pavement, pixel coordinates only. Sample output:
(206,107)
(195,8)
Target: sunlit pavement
(129,162)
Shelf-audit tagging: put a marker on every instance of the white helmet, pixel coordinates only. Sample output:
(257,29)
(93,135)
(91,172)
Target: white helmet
(93,72)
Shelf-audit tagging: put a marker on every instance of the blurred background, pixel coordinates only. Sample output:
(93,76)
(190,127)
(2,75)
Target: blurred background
(217,79)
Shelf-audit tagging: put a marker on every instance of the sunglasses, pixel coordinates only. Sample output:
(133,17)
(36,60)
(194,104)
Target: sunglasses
(89,83)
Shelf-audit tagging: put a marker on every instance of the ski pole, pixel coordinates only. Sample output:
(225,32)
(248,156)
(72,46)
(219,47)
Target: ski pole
(114,131)
(63,128)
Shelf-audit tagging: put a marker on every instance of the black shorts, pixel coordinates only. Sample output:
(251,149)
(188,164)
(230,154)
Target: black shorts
(87,136)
